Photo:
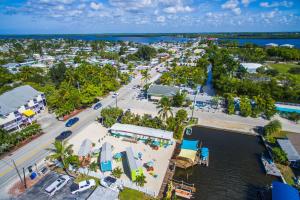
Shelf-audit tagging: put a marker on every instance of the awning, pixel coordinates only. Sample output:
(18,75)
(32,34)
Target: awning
(28,113)
(186,153)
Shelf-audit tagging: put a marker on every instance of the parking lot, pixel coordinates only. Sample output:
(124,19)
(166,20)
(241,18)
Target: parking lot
(37,192)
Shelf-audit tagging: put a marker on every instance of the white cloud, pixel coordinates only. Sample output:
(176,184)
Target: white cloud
(59,7)
(131,4)
(286,4)
(177,9)
(161,19)
(245,2)
(230,4)
(96,6)
(237,11)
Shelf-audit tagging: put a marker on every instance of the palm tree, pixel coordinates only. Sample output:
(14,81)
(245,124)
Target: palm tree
(63,153)
(140,180)
(272,127)
(165,109)
(117,172)
(145,76)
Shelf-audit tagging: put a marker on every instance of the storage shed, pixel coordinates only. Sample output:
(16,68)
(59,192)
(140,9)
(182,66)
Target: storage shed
(106,157)
(135,165)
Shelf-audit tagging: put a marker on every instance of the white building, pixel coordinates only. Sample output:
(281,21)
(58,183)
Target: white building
(287,45)
(251,67)
(140,132)
(271,45)
(19,106)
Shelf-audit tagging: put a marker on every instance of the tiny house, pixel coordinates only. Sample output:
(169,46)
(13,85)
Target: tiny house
(106,157)
(135,166)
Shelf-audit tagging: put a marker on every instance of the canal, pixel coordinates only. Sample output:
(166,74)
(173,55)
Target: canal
(235,170)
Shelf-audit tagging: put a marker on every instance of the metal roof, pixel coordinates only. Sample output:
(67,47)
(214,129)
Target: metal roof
(140,130)
(106,154)
(289,149)
(85,148)
(162,90)
(12,100)
(102,193)
(132,162)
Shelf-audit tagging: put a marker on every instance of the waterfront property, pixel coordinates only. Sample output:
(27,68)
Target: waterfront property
(188,154)
(141,133)
(235,170)
(156,92)
(19,106)
(106,157)
(134,164)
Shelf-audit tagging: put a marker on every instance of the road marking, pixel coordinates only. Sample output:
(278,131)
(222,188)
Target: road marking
(25,158)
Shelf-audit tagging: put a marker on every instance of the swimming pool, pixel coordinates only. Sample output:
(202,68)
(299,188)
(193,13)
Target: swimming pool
(290,110)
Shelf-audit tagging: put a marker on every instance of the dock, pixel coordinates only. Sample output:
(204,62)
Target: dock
(168,176)
(270,167)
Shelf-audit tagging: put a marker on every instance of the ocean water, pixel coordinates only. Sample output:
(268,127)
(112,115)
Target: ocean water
(235,170)
(146,39)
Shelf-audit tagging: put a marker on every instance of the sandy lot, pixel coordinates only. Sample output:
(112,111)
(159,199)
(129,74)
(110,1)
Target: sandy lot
(99,135)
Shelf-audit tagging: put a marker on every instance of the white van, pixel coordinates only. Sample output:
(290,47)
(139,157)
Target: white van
(57,185)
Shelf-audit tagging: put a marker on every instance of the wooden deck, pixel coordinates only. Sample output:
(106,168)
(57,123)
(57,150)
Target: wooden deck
(168,176)
(183,185)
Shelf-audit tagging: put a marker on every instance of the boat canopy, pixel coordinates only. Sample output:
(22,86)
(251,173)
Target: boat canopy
(190,145)
(186,153)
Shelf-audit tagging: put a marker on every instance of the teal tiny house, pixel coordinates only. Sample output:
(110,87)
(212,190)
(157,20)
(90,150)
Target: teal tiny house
(106,157)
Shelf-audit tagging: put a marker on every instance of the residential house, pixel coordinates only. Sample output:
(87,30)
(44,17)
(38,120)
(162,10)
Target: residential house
(19,106)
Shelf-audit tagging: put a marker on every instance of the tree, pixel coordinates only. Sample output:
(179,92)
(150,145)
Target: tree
(230,105)
(178,99)
(57,73)
(110,115)
(164,106)
(145,75)
(181,116)
(245,107)
(93,166)
(140,180)
(63,153)
(145,52)
(117,172)
(269,109)
(272,128)
(279,155)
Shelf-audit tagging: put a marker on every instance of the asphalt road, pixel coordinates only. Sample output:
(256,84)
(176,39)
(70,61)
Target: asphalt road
(38,149)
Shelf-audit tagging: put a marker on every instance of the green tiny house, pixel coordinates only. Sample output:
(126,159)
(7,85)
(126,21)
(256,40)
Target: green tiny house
(135,166)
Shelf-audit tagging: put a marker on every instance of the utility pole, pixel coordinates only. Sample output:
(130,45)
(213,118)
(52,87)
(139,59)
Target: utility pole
(24,178)
(18,173)
(198,88)
(116,100)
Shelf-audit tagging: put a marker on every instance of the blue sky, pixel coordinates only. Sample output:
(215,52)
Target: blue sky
(143,16)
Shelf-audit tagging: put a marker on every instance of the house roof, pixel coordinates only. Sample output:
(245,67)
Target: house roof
(132,162)
(140,130)
(281,191)
(10,101)
(102,193)
(162,90)
(190,145)
(85,148)
(289,149)
(106,154)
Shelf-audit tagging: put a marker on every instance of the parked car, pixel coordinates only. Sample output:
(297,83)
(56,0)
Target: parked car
(64,135)
(115,95)
(82,186)
(57,185)
(97,106)
(109,182)
(72,121)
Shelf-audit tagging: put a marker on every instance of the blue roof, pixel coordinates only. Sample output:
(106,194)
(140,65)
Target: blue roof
(283,191)
(190,144)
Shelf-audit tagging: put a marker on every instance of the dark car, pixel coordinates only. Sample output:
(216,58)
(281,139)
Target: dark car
(64,135)
(97,106)
(72,121)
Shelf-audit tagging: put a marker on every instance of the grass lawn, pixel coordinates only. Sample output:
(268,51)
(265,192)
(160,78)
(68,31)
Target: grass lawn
(83,177)
(283,67)
(131,194)
(281,134)
(287,173)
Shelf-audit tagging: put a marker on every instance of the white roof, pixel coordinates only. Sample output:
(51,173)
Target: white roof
(251,65)
(140,130)
(272,44)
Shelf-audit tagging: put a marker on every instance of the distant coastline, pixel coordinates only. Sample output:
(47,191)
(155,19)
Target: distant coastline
(222,35)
